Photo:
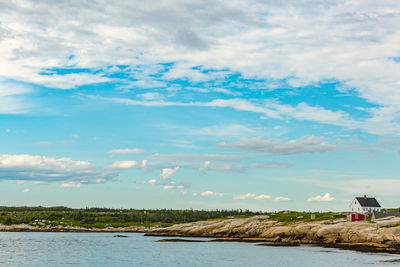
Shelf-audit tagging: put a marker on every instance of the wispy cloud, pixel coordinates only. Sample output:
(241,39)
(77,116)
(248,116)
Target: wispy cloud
(44,143)
(226,130)
(212,166)
(168,172)
(29,182)
(252,196)
(302,145)
(12,97)
(71,185)
(274,110)
(194,157)
(280,198)
(127,164)
(324,198)
(122,151)
(152,181)
(209,193)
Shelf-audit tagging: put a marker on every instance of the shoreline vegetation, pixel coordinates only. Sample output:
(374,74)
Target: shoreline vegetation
(285,228)
(43,217)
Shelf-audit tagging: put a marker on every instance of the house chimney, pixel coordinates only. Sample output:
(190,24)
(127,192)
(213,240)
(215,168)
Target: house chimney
(365,196)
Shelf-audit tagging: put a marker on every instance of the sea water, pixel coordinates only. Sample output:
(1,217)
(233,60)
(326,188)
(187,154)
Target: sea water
(104,249)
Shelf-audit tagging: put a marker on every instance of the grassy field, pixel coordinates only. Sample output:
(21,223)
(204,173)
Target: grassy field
(295,216)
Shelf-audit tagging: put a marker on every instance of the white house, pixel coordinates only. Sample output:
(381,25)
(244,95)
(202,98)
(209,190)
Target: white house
(365,205)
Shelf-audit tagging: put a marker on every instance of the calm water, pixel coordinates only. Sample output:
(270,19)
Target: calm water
(103,249)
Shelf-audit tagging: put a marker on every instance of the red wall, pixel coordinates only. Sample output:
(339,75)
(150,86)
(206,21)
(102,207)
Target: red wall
(357,217)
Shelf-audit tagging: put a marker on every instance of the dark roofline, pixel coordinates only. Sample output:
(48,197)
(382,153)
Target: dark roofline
(368,202)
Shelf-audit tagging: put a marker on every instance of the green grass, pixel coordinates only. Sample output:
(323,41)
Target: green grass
(389,226)
(294,216)
(391,210)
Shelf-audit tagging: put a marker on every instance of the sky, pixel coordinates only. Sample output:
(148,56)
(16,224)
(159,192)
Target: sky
(260,105)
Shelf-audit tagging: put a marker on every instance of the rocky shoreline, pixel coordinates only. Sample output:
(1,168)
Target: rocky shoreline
(380,236)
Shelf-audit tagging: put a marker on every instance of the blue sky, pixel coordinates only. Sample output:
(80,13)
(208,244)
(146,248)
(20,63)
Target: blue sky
(246,104)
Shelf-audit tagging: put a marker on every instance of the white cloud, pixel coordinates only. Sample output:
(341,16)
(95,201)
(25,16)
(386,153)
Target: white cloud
(205,166)
(208,165)
(71,185)
(252,196)
(126,151)
(241,167)
(279,147)
(273,110)
(211,193)
(168,187)
(168,172)
(171,186)
(39,169)
(262,196)
(151,96)
(29,182)
(11,97)
(235,103)
(326,197)
(127,164)
(280,198)
(227,92)
(152,181)
(194,157)
(69,81)
(245,196)
(25,190)
(352,42)
(144,165)
(225,130)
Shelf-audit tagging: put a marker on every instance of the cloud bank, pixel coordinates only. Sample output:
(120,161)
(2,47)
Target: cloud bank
(46,169)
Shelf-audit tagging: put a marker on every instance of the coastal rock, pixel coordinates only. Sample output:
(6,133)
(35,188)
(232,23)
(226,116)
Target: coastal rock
(384,234)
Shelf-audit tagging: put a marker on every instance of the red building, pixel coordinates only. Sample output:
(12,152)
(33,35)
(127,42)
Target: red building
(355,217)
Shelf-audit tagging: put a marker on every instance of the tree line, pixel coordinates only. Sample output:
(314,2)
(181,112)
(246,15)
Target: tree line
(29,215)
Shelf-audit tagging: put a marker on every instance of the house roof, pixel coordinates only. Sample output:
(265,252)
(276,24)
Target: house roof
(368,202)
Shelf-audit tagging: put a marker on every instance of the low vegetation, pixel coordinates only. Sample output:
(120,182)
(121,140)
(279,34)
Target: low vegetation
(104,217)
(391,210)
(288,217)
